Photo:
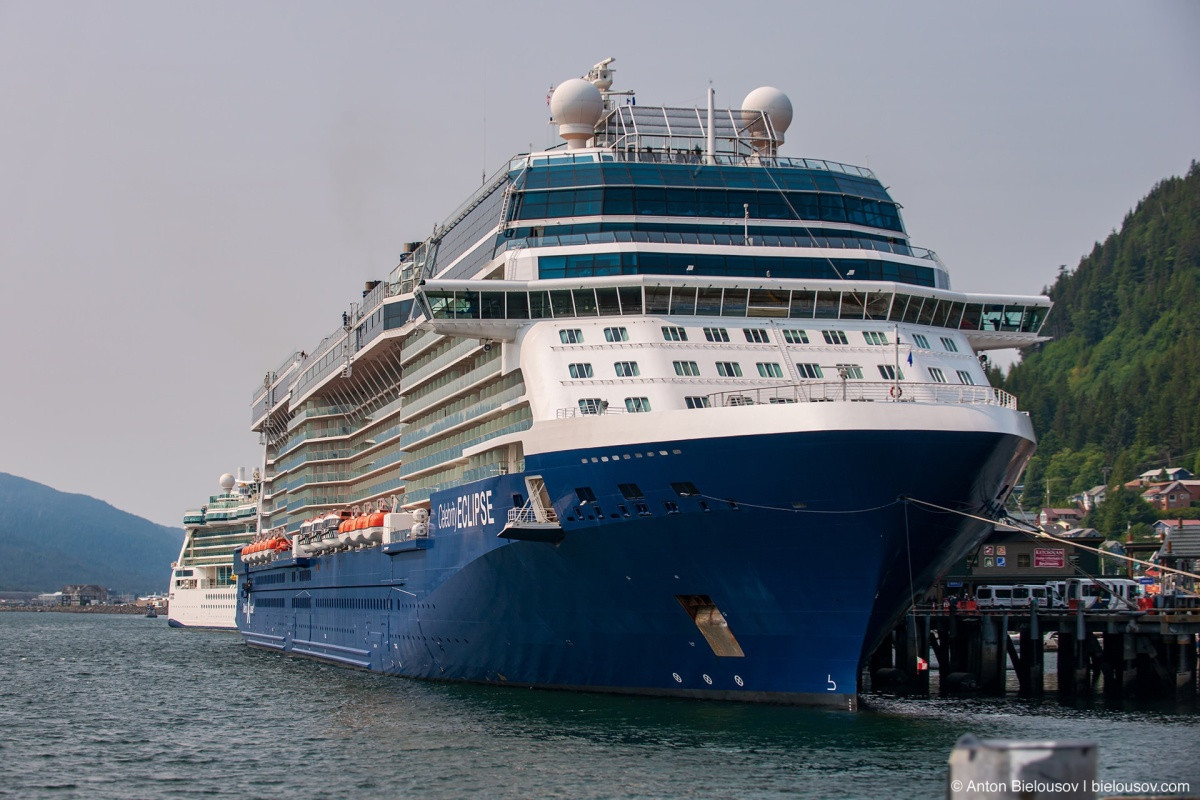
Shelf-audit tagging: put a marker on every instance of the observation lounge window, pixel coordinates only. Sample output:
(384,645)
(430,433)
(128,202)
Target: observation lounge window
(708,302)
(608,302)
(828,305)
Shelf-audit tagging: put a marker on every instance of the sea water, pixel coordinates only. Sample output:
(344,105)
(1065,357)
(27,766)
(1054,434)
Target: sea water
(108,706)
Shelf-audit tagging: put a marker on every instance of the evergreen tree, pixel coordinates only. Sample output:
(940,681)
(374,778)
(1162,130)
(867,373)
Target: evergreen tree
(1119,385)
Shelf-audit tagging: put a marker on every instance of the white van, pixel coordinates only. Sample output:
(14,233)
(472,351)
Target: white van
(1018,596)
(1025,595)
(1104,593)
(994,596)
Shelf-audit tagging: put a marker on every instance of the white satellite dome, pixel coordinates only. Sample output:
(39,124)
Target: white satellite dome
(776,105)
(226,481)
(576,107)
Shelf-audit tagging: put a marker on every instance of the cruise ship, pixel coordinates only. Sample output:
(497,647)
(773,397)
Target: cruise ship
(659,410)
(203,589)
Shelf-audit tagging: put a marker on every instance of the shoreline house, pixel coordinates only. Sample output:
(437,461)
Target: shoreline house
(1173,495)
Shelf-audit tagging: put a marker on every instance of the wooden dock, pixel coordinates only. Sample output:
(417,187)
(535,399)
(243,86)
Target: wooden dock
(1142,655)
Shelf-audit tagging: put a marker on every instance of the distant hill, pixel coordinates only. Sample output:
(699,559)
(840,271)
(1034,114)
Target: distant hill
(49,539)
(1117,391)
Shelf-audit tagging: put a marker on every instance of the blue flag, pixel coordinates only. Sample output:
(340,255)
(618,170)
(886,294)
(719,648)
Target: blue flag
(910,358)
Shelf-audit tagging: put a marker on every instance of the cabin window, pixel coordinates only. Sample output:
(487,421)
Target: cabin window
(891,373)
(616,334)
(673,333)
(685,488)
(758,335)
(769,370)
(571,336)
(920,341)
(592,405)
(965,377)
(875,337)
(949,344)
(729,369)
(580,370)
(626,369)
(716,334)
(635,405)
(795,337)
(852,372)
(585,494)
(686,368)
(835,337)
(696,402)
(810,371)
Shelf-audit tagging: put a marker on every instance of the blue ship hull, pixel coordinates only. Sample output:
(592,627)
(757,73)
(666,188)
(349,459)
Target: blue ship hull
(803,541)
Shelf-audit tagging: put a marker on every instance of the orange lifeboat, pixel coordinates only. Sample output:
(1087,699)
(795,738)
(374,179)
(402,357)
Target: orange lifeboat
(374,530)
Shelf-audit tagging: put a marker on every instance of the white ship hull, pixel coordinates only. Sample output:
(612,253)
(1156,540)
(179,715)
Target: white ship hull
(203,608)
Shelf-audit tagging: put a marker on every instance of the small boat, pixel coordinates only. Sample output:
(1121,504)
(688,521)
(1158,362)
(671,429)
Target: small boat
(151,613)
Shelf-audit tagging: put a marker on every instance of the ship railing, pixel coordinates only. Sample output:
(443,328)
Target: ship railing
(527,516)
(856,391)
(771,240)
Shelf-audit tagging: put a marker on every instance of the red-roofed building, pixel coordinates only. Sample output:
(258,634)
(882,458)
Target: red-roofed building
(1062,518)
(1168,496)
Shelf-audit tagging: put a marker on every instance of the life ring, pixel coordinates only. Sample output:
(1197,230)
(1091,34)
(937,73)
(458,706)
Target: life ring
(895,392)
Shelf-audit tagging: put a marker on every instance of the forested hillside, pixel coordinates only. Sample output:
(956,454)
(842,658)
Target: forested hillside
(49,539)
(1117,391)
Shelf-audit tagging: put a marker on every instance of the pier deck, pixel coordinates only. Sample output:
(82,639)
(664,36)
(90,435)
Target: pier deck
(1146,655)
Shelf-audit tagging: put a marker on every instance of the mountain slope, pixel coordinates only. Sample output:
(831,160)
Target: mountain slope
(1119,387)
(49,539)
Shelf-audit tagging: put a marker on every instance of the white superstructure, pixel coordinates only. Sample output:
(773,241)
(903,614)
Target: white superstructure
(203,588)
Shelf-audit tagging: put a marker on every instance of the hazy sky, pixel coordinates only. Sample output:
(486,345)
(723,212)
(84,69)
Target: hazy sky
(191,190)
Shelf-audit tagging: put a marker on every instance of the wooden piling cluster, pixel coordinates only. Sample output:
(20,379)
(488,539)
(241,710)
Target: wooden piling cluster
(1144,655)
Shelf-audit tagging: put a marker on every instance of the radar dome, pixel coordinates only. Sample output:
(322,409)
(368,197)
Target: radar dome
(576,107)
(776,105)
(226,481)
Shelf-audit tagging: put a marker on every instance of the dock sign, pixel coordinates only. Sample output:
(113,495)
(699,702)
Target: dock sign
(1049,557)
